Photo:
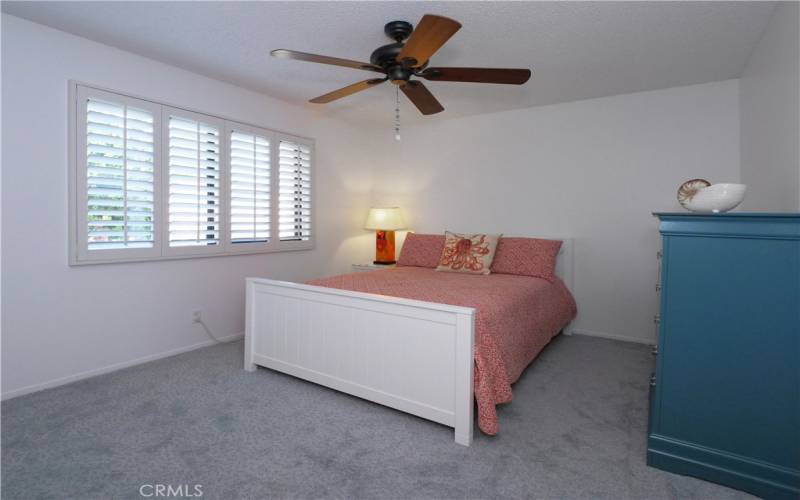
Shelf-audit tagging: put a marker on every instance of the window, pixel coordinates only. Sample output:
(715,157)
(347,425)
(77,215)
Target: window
(250,187)
(194,203)
(119,175)
(294,191)
(149,181)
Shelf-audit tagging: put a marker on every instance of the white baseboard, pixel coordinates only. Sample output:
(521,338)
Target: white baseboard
(112,368)
(612,336)
(146,359)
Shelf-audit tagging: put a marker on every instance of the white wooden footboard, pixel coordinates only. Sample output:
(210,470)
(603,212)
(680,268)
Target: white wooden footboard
(410,355)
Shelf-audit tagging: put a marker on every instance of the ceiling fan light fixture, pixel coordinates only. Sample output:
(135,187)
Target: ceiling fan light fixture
(398,74)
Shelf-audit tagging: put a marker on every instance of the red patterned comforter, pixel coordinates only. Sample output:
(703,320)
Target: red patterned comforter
(516,318)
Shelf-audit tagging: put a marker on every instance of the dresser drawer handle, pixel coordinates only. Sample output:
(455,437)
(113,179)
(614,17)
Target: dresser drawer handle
(654,350)
(653,380)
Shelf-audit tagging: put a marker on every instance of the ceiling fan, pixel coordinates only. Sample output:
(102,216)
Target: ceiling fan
(400,61)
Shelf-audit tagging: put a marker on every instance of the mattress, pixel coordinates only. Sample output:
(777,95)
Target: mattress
(516,317)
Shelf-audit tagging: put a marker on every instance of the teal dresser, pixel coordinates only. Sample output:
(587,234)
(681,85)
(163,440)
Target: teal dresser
(725,396)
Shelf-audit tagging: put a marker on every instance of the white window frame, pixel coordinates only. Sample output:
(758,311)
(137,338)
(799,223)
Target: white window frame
(78,244)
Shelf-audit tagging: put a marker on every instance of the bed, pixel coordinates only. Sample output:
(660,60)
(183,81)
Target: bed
(421,341)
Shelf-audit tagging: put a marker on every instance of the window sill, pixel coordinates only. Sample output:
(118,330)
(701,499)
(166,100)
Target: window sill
(74,262)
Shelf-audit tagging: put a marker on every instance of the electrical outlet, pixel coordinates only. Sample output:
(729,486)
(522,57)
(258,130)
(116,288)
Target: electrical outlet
(196,318)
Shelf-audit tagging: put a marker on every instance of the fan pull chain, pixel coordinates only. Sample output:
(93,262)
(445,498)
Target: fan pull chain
(397,113)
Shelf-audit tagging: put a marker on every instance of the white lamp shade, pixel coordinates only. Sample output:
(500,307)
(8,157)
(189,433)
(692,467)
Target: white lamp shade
(385,219)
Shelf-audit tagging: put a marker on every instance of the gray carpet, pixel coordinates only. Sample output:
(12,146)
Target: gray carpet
(576,429)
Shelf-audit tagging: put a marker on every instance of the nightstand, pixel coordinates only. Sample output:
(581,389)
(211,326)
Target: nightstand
(361,268)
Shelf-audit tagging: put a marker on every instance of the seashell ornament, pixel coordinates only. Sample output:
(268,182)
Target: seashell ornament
(698,195)
(689,189)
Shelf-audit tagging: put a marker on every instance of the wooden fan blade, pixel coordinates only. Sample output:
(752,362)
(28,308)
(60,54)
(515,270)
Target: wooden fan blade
(419,94)
(335,61)
(477,75)
(346,91)
(428,37)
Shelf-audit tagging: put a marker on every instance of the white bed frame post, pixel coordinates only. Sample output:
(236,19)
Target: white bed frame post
(565,269)
(249,322)
(464,390)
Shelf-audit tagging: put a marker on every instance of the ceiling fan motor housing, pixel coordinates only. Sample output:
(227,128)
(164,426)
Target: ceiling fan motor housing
(386,58)
(386,55)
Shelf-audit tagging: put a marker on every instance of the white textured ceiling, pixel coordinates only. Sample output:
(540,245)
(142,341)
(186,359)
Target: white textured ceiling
(577,50)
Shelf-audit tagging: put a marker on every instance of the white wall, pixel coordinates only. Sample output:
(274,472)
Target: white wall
(593,170)
(770,115)
(60,322)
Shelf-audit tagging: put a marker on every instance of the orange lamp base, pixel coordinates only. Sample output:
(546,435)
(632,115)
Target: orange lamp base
(384,248)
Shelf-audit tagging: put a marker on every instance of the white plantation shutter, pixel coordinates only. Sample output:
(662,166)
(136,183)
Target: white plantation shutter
(119,176)
(149,181)
(294,191)
(194,204)
(250,186)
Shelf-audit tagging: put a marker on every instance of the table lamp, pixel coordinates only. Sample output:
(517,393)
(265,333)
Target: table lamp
(385,221)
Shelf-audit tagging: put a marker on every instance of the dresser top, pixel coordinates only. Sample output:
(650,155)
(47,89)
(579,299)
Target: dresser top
(737,224)
(730,215)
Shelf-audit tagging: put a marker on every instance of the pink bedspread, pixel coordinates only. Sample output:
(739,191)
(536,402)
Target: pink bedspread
(516,318)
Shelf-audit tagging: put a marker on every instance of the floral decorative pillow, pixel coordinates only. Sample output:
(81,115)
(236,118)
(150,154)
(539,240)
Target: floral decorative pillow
(468,253)
(421,250)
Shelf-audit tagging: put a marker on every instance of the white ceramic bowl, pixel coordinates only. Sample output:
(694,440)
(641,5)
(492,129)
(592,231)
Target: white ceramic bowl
(717,198)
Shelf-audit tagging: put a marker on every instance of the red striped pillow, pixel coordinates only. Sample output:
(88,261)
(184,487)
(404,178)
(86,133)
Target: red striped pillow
(527,257)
